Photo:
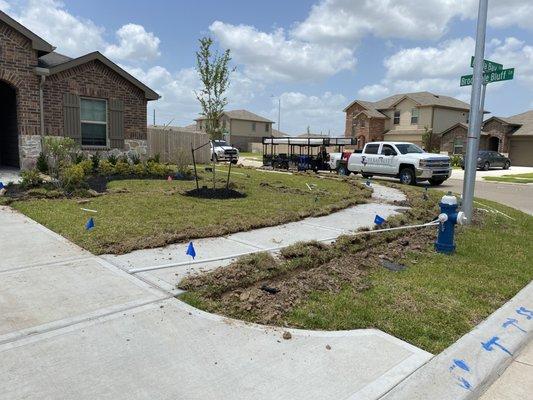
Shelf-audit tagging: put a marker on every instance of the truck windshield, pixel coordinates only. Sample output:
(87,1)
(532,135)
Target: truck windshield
(220,143)
(407,148)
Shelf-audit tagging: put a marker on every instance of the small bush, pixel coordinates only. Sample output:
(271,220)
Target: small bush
(112,158)
(42,163)
(155,159)
(57,151)
(78,157)
(157,169)
(31,178)
(95,159)
(138,170)
(106,168)
(134,158)
(456,160)
(122,168)
(71,177)
(182,162)
(87,166)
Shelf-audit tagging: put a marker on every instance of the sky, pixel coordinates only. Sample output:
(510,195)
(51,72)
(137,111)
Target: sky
(313,56)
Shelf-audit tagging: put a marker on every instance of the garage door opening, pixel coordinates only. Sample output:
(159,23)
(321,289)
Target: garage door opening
(9,145)
(494,143)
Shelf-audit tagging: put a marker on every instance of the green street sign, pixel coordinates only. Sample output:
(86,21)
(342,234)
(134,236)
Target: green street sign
(488,66)
(488,77)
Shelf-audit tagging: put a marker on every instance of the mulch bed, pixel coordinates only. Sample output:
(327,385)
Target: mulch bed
(217,193)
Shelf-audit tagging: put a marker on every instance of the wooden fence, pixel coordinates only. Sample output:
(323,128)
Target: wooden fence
(170,142)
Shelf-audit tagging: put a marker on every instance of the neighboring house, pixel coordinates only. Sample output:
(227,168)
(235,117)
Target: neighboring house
(242,128)
(403,117)
(43,93)
(512,135)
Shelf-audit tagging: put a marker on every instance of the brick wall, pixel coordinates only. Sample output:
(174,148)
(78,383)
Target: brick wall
(17,61)
(94,79)
(495,128)
(372,130)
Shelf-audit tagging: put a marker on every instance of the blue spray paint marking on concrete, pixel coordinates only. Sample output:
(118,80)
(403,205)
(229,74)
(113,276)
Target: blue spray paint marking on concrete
(464,383)
(513,322)
(462,364)
(494,342)
(525,312)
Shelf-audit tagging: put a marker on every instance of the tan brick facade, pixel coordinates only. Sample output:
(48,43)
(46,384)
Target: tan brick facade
(363,128)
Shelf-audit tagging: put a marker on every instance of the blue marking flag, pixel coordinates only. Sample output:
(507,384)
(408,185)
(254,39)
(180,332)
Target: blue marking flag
(379,220)
(90,224)
(190,251)
(1,185)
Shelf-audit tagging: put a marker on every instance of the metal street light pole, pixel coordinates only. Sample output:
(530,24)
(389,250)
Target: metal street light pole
(474,124)
(279,111)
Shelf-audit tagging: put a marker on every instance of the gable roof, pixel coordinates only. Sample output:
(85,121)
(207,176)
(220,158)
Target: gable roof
(421,98)
(37,42)
(96,55)
(52,59)
(372,113)
(524,121)
(244,115)
(459,124)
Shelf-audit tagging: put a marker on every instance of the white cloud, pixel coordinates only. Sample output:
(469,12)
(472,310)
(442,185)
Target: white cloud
(321,113)
(4,5)
(351,20)
(274,57)
(437,69)
(134,44)
(75,36)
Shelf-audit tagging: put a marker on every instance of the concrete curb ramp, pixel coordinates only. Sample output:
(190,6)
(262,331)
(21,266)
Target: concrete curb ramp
(470,365)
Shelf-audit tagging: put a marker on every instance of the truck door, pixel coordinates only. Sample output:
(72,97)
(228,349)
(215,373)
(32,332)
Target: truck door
(387,155)
(370,158)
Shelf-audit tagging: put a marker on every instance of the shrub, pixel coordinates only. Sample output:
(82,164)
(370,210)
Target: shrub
(57,151)
(31,178)
(77,157)
(87,166)
(182,162)
(95,159)
(122,168)
(112,158)
(135,159)
(157,169)
(42,163)
(106,168)
(456,160)
(71,177)
(155,159)
(138,170)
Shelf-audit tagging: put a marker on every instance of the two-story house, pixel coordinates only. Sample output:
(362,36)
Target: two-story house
(403,117)
(241,128)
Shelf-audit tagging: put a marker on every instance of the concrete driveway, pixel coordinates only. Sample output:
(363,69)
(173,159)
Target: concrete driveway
(459,173)
(74,326)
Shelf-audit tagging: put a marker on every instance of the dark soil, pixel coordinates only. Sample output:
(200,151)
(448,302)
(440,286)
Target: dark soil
(218,193)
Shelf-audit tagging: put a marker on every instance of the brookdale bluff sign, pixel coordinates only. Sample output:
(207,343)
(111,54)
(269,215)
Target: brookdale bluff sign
(492,72)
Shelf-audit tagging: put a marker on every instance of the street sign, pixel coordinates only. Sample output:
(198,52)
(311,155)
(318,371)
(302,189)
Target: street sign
(488,77)
(488,66)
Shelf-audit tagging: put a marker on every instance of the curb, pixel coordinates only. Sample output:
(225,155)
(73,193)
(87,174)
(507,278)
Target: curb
(469,366)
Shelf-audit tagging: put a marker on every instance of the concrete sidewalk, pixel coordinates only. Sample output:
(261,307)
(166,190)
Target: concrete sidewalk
(74,326)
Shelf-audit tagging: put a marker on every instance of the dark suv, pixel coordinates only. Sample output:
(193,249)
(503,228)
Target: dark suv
(487,159)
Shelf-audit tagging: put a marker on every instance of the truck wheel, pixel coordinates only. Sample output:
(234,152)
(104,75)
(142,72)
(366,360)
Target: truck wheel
(435,182)
(407,176)
(343,171)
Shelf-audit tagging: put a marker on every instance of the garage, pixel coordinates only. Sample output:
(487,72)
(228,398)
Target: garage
(521,151)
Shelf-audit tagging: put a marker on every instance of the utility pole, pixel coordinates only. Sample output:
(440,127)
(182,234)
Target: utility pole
(154,118)
(474,123)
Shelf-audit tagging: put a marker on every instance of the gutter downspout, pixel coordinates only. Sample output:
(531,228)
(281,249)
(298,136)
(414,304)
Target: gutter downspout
(43,73)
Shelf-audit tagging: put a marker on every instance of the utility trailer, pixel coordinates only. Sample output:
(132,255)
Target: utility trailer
(302,154)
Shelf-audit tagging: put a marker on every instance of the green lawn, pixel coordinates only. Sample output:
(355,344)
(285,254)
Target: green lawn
(518,178)
(437,299)
(253,156)
(150,213)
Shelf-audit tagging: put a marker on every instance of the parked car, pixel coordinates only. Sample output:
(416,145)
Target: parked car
(487,159)
(222,151)
(402,160)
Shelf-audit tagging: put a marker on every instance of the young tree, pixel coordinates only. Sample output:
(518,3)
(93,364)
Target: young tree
(213,69)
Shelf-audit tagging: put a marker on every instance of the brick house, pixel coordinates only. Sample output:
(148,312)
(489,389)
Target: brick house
(403,117)
(512,136)
(43,93)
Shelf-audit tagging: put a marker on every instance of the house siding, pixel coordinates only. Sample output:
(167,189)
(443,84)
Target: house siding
(445,118)
(96,80)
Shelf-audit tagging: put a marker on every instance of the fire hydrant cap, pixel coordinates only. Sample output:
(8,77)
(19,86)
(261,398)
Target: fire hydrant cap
(449,199)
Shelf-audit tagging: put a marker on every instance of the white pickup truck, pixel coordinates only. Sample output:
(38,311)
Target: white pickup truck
(222,151)
(402,160)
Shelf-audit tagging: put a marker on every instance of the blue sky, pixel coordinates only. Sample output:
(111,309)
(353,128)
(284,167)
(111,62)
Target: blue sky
(316,55)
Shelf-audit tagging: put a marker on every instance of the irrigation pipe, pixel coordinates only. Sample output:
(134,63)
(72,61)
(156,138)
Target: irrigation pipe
(271,249)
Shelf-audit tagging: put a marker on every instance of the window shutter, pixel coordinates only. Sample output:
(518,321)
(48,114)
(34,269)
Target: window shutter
(71,117)
(116,123)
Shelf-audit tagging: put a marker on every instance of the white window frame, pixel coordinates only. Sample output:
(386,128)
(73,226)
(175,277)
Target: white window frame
(413,116)
(456,145)
(106,123)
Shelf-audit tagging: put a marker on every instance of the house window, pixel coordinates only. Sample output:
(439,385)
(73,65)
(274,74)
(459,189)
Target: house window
(396,120)
(362,123)
(414,116)
(355,122)
(93,122)
(458,146)
(267,127)
(253,126)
